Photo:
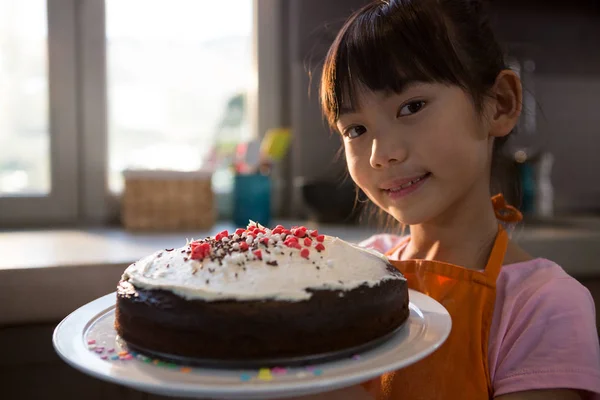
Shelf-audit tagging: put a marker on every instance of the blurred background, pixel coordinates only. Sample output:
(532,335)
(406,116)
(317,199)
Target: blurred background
(92,88)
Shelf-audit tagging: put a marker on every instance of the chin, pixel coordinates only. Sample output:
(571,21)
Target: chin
(409,218)
(415,213)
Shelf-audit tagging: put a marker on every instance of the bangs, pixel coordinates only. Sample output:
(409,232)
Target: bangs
(385,47)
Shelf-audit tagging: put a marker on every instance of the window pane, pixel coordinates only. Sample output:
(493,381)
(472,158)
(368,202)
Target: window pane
(24,132)
(178,74)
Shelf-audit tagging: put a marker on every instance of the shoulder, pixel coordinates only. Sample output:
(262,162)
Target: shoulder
(515,254)
(543,334)
(536,288)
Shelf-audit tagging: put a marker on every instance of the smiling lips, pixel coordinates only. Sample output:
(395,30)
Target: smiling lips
(401,187)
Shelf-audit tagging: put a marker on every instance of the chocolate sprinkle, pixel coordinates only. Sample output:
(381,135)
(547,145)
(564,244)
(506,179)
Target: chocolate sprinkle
(185,258)
(169,249)
(272,263)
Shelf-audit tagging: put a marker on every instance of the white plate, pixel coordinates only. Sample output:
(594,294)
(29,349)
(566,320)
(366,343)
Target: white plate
(426,329)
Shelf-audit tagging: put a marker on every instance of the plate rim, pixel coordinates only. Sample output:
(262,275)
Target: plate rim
(431,312)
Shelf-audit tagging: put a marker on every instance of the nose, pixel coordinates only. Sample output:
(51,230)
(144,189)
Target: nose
(387,150)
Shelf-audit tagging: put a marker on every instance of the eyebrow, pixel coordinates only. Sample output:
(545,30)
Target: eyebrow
(350,109)
(345,110)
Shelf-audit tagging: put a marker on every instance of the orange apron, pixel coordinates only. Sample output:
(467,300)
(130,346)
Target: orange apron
(459,368)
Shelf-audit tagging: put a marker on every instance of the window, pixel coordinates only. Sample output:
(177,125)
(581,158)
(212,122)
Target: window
(24,125)
(89,88)
(178,77)
(38,126)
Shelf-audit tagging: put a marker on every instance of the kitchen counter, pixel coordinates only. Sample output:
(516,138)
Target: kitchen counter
(46,274)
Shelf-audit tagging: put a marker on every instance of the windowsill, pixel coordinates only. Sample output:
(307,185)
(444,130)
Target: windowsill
(46,274)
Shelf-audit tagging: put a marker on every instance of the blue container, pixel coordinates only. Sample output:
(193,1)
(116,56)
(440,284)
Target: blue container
(252,199)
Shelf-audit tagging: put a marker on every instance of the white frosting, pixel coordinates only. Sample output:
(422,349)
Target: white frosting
(341,266)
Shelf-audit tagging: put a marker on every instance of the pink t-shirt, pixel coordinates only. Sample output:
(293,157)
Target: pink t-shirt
(543,333)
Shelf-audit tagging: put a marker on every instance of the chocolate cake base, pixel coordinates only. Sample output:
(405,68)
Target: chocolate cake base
(227,330)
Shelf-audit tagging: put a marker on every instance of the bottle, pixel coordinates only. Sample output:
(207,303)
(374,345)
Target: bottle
(544,197)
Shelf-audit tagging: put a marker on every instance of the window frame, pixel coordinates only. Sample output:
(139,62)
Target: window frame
(99,205)
(60,205)
(78,106)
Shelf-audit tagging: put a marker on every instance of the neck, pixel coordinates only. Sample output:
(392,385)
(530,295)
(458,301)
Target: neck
(463,235)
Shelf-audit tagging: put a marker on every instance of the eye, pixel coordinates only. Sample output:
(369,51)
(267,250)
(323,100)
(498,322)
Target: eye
(354,131)
(411,108)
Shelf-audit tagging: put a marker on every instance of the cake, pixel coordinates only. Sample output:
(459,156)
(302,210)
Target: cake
(258,294)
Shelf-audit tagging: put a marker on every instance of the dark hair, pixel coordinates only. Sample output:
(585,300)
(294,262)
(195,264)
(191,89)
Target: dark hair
(388,44)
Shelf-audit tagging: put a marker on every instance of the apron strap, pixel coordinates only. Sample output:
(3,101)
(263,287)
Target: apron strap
(505,212)
(496,260)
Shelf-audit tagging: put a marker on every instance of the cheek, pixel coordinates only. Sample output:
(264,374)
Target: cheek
(356,166)
(459,149)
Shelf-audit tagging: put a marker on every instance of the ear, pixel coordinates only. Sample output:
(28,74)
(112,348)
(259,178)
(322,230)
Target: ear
(506,102)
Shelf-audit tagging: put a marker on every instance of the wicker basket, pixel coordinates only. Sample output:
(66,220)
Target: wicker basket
(167,200)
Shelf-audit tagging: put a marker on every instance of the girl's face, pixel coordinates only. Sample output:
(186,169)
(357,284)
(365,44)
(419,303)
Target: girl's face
(417,153)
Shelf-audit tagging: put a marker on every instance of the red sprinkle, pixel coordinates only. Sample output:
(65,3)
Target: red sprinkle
(307,241)
(265,241)
(304,253)
(280,227)
(286,231)
(258,254)
(300,232)
(292,242)
(218,237)
(199,250)
(320,238)
(225,233)
(277,231)
(239,231)
(314,233)
(243,246)
(319,247)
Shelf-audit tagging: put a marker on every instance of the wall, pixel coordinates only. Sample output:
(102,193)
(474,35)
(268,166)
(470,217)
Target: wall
(564,42)
(563,38)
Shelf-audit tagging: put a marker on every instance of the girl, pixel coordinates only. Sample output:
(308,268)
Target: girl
(420,94)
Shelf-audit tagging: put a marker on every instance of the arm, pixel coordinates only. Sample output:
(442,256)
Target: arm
(550,344)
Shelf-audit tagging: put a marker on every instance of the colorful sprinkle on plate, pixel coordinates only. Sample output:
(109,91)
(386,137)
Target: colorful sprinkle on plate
(245,377)
(279,371)
(264,374)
